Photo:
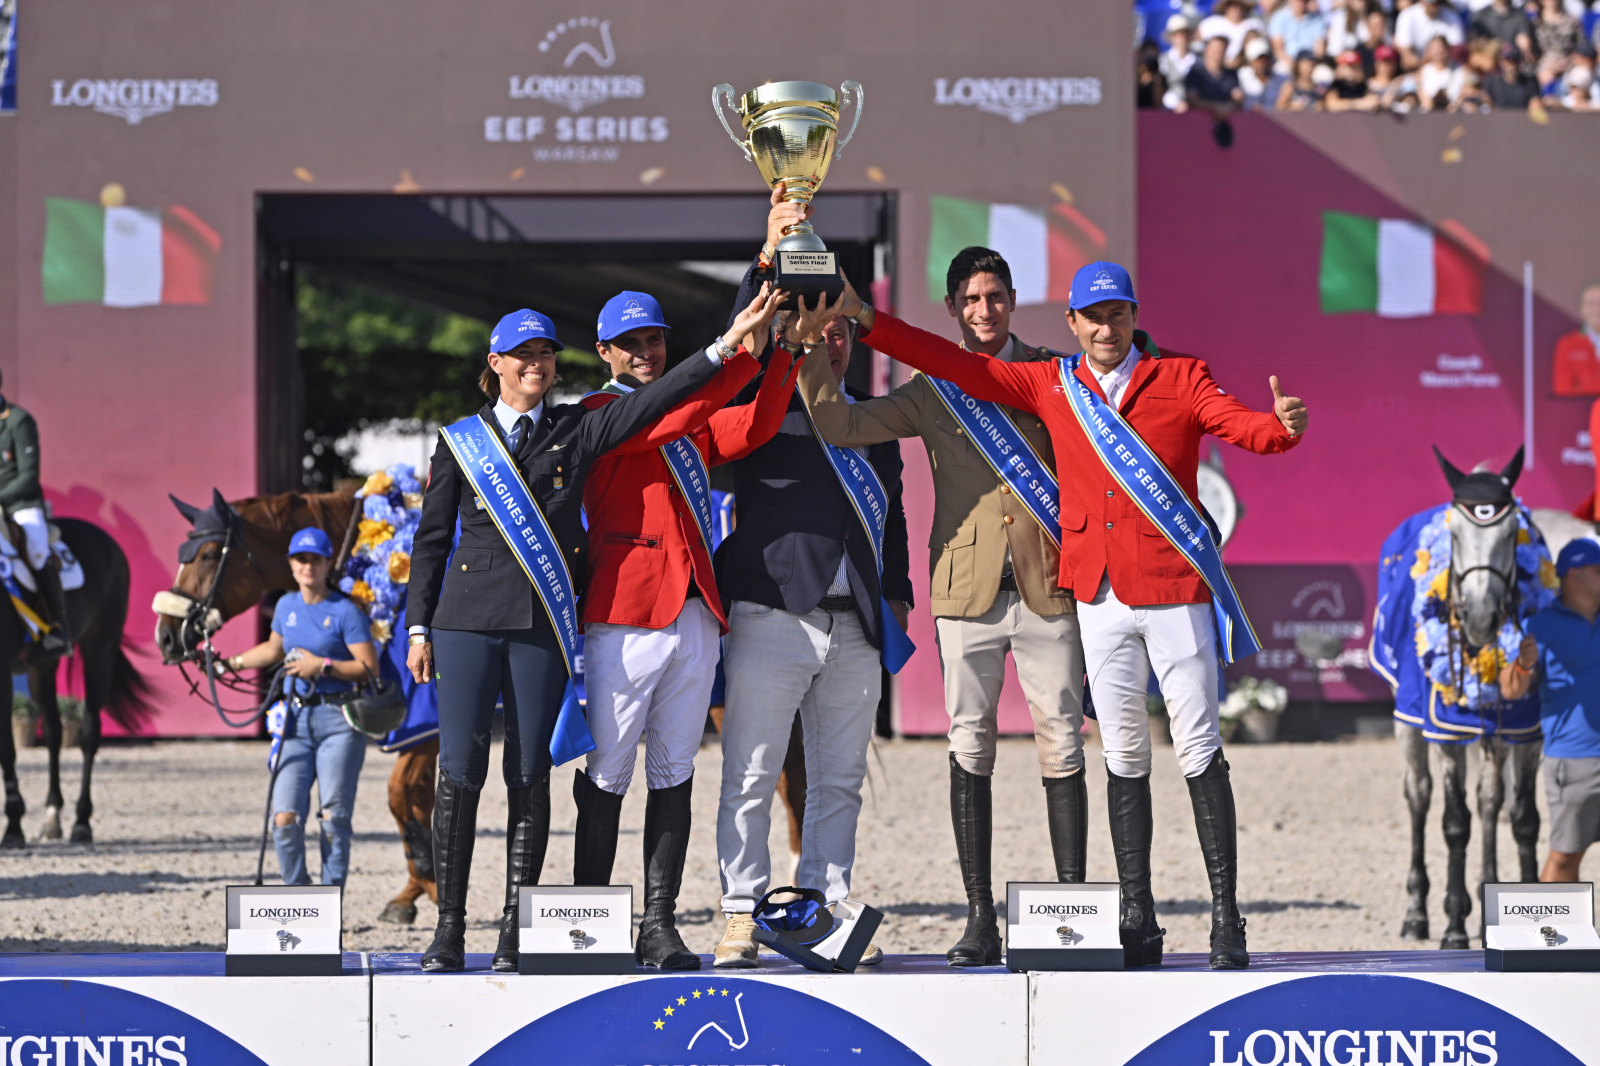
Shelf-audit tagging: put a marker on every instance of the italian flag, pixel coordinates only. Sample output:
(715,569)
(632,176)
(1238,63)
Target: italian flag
(126,256)
(1399,269)
(1043,245)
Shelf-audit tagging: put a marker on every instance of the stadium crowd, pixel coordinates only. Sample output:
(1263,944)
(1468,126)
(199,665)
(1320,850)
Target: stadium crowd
(1368,55)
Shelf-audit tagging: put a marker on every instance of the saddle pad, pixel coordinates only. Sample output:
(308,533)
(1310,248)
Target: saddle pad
(71,568)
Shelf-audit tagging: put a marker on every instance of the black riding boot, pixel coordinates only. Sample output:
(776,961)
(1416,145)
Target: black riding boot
(594,847)
(1212,796)
(1066,802)
(971,814)
(60,639)
(527,833)
(666,843)
(1128,800)
(455,824)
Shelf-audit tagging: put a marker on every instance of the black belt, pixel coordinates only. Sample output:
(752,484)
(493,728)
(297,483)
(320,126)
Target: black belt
(1008,582)
(836,603)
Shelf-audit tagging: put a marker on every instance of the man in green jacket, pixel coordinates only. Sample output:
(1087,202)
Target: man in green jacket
(23,500)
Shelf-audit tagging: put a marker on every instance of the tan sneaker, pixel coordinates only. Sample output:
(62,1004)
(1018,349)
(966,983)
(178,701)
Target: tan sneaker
(872,956)
(738,948)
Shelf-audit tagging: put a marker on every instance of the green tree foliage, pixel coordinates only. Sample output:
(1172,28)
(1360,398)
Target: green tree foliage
(370,358)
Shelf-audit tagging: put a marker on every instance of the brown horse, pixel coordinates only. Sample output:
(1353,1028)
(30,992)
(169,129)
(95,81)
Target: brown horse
(98,612)
(234,555)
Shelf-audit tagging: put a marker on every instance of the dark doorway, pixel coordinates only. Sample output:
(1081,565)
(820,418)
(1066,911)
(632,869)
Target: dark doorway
(483,256)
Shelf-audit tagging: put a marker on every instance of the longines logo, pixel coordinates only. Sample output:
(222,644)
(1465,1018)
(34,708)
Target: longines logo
(1460,1048)
(574,915)
(591,39)
(134,99)
(1063,910)
(1530,911)
(284,915)
(1018,99)
(153,1050)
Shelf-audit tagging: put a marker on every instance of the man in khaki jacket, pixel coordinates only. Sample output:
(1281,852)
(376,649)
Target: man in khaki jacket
(994,588)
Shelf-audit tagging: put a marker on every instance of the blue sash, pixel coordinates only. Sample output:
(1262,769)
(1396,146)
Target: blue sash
(1151,485)
(1008,454)
(688,469)
(871,503)
(506,498)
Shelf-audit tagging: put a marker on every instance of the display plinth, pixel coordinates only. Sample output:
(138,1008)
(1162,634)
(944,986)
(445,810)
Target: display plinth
(1056,926)
(1540,928)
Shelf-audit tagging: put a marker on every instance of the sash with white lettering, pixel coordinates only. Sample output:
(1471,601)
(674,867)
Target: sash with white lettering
(494,476)
(871,503)
(1152,487)
(689,472)
(1008,454)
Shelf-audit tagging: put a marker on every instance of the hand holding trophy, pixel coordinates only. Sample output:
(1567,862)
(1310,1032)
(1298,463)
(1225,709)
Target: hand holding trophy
(791,129)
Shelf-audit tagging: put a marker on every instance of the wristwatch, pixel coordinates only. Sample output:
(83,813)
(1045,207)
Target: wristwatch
(322,671)
(724,351)
(418,638)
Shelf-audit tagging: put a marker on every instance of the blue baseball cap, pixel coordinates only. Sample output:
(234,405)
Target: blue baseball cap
(629,310)
(1099,281)
(1581,552)
(313,541)
(519,326)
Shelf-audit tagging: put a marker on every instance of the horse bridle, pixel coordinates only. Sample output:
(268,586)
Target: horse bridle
(1509,604)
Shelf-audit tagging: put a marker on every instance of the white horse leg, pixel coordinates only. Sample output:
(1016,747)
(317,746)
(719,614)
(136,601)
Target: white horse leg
(1457,833)
(1524,808)
(1491,798)
(1419,793)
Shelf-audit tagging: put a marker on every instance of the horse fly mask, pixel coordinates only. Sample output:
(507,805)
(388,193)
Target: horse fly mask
(217,524)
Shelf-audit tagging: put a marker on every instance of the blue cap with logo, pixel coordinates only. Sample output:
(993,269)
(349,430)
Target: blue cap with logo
(1584,551)
(519,326)
(1099,281)
(311,541)
(629,310)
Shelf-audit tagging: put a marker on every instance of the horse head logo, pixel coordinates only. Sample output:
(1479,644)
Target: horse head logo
(604,56)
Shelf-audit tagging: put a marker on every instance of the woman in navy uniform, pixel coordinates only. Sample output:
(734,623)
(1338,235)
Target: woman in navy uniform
(475,614)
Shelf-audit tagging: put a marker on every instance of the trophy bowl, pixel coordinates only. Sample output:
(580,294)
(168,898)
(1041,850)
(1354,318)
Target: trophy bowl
(792,135)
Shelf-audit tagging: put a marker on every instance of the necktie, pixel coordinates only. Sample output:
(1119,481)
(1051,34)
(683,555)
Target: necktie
(521,433)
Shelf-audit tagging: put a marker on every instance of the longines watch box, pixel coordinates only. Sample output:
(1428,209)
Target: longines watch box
(285,931)
(1054,926)
(575,929)
(1539,927)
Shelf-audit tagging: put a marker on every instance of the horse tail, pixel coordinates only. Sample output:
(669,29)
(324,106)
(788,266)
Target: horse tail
(131,693)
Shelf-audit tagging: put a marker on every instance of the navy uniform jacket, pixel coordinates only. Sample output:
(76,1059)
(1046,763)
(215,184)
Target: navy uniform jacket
(794,523)
(480,586)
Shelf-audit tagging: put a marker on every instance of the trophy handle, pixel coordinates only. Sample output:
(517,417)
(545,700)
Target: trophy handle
(844,98)
(726,90)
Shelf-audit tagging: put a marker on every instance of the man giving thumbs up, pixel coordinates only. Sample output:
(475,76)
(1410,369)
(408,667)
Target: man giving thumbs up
(1125,421)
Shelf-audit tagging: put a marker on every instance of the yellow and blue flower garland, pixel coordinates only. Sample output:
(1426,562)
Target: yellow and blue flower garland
(380,562)
(1465,675)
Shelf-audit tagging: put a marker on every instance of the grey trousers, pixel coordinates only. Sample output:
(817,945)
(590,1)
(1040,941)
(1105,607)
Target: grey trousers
(1049,658)
(776,662)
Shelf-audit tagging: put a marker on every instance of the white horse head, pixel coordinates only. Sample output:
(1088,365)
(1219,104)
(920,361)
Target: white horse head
(1483,547)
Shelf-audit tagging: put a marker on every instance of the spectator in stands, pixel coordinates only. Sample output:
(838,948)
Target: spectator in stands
(1261,84)
(1558,34)
(1386,83)
(1297,27)
(1483,59)
(1349,91)
(1377,35)
(1300,91)
(1510,88)
(1212,87)
(1347,26)
(1578,88)
(1176,61)
(1504,22)
(1148,84)
(1232,19)
(1421,23)
(1577,361)
(1439,79)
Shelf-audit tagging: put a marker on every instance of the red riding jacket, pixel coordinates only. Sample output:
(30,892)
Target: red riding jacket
(644,541)
(1171,402)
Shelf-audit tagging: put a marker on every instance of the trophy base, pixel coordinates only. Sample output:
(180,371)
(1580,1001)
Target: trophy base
(805,274)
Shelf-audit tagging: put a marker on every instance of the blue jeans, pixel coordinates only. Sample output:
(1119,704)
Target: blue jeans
(317,744)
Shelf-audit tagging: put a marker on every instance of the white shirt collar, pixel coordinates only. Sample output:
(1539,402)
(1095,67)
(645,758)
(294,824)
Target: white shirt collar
(1004,354)
(1115,382)
(615,384)
(507,415)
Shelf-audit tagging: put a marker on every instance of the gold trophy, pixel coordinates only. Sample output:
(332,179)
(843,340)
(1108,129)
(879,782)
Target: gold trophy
(791,128)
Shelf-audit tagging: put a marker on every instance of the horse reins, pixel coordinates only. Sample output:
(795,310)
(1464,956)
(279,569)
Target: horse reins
(195,621)
(1508,607)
